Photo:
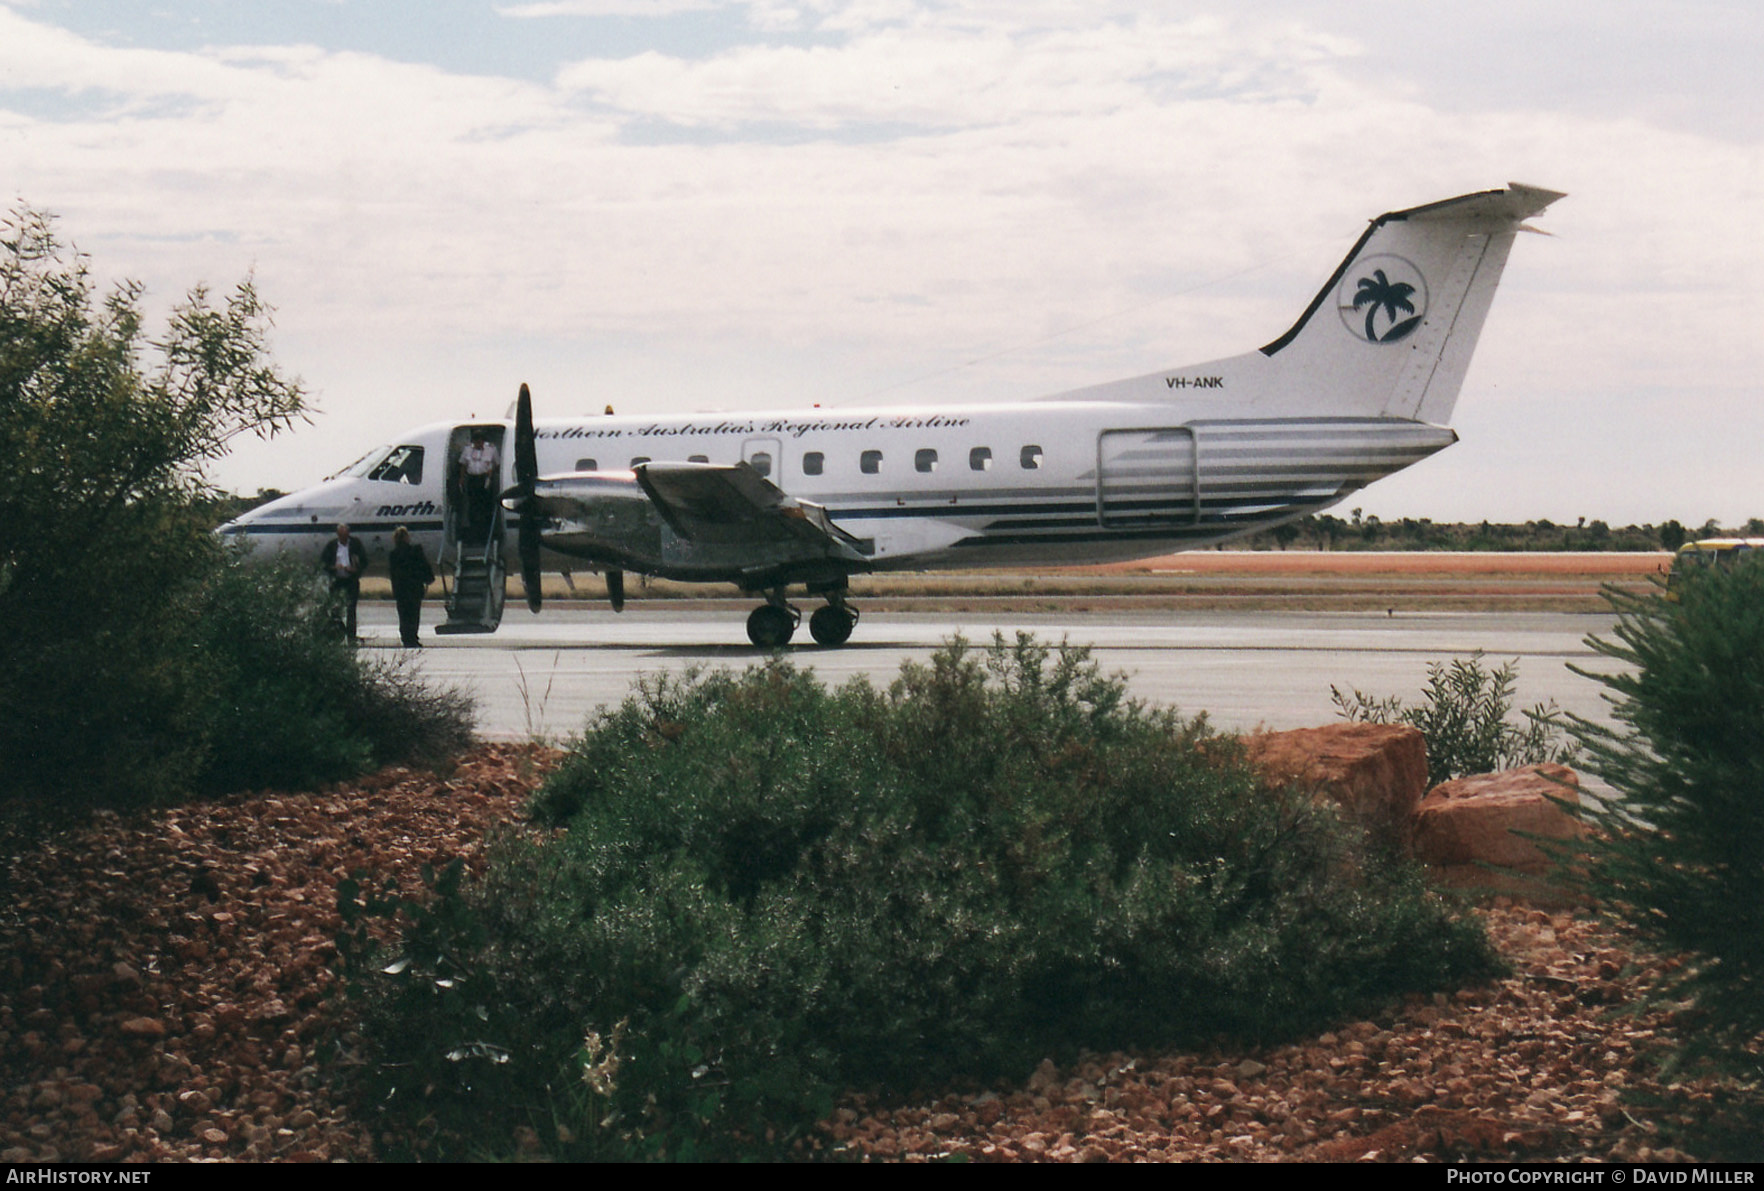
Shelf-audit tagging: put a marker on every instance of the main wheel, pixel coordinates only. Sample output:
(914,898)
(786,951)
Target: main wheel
(769,626)
(832,626)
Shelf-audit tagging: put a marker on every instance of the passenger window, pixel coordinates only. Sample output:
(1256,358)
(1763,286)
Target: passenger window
(870,462)
(813,462)
(1031,458)
(925,459)
(637,460)
(587,465)
(403,466)
(761,461)
(698,458)
(980,459)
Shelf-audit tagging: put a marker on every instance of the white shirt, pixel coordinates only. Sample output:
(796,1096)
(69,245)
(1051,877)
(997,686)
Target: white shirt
(479,459)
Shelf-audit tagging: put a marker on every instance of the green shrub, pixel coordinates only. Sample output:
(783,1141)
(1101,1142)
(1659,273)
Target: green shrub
(101,542)
(1680,846)
(768,891)
(288,702)
(139,663)
(1463,715)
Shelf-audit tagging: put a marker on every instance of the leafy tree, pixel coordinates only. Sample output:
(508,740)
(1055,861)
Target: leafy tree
(102,542)
(1680,844)
(1463,714)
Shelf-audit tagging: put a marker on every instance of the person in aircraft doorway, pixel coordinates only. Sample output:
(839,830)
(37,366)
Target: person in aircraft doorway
(411,576)
(477,481)
(343,559)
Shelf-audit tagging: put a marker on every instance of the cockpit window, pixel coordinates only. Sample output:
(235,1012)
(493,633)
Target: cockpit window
(403,466)
(362,466)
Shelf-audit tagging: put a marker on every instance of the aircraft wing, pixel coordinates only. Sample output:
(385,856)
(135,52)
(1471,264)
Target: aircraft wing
(733,505)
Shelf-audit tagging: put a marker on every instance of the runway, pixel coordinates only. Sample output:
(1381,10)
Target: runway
(543,676)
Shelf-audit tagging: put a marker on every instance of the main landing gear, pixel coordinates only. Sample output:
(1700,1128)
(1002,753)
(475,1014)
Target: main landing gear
(832,624)
(771,625)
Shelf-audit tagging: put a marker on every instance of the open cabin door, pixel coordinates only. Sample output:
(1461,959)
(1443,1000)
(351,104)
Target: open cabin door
(473,548)
(1146,478)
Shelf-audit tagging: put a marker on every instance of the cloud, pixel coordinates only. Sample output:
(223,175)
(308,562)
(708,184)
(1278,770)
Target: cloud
(890,190)
(608,8)
(939,76)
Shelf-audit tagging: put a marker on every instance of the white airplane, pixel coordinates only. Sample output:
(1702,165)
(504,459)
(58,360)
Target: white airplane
(1360,387)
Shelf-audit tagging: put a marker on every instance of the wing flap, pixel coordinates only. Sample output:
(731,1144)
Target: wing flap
(732,504)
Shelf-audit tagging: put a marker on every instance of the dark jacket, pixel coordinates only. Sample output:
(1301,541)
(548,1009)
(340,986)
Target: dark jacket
(409,567)
(328,557)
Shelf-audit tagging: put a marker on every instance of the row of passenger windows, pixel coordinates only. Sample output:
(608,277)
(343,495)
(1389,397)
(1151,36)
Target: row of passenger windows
(814,463)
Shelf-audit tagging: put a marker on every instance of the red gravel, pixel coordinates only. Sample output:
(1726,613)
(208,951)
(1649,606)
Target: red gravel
(162,978)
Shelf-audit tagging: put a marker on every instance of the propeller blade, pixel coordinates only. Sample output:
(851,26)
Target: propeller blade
(615,589)
(526,467)
(526,457)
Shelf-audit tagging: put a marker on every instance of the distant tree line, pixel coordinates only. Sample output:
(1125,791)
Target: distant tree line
(218,508)
(1325,531)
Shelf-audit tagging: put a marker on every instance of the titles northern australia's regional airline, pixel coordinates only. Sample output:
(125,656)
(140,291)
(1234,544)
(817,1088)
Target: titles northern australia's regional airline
(1362,385)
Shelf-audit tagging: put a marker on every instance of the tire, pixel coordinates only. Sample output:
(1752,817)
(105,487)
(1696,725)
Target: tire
(831,626)
(770,627)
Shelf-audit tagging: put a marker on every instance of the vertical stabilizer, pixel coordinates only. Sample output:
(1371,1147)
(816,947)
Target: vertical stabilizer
(1392,332)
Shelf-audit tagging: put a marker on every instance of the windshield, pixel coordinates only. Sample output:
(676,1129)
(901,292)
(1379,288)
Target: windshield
(404,465)
(361,466)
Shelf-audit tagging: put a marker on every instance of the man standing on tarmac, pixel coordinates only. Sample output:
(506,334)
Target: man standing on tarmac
(343,560)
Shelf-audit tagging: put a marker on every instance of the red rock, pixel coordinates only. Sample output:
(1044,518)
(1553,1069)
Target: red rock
(1465,826)
(1374,772)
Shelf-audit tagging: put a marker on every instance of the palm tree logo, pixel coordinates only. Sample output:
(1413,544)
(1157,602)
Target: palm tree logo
(1392,293)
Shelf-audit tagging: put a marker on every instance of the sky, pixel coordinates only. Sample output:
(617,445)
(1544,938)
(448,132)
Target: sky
(693,205)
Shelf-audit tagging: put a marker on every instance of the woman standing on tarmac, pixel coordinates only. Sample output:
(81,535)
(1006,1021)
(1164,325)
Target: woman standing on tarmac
(411,576)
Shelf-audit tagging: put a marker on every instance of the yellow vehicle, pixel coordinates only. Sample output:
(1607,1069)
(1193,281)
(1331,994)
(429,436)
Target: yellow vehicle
(1698,557)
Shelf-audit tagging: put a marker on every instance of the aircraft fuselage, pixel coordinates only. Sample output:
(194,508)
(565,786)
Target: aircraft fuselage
(1051,483)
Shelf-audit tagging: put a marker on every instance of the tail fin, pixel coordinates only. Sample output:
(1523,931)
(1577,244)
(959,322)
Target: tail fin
(1392,331)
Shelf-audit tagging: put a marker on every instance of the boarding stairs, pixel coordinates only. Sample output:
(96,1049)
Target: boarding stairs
(480,582)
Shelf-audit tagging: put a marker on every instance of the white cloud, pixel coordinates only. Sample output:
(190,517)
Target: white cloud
(916,186)
(608,8)
(942,77)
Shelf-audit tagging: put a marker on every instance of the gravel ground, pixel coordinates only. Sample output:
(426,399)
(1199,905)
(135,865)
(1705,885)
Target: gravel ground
(163,975)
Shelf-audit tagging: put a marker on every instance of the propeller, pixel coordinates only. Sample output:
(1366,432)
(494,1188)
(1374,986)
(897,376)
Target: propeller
(524,493)
(526,469)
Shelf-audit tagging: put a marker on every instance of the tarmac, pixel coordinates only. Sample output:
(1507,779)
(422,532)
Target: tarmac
(542,676)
